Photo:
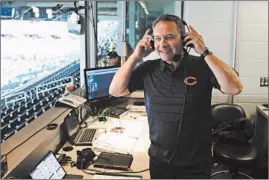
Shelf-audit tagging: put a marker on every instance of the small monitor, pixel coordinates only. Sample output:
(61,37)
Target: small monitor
(97,81)
(7,12)
(71,122)
(48,168)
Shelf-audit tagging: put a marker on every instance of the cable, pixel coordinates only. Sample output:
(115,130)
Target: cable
(132,172)
(76,9)
(183,108)
(182,9)
(115,173)
(35,133)
(87,172)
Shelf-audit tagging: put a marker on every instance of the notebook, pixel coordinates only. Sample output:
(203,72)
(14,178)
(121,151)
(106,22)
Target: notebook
(114,161)
(50,168)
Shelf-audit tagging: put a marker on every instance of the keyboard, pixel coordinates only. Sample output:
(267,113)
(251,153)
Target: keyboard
(85,137)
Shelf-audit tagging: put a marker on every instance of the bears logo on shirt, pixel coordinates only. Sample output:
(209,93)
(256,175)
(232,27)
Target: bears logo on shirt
(190,81)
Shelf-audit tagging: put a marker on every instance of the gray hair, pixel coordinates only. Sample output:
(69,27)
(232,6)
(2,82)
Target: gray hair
(172,18)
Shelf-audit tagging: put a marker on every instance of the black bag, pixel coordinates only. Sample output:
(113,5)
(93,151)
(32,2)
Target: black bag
(237,131)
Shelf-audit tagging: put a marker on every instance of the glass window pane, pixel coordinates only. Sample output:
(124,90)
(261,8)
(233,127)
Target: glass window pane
(108,31)
(39,57)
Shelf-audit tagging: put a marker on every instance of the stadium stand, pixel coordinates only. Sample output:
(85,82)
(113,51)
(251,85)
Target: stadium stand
(36,82)
(22,108)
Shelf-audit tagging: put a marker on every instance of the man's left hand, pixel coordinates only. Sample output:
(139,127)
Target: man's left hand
(196,39)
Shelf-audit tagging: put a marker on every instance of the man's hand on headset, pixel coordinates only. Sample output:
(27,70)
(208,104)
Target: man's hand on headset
(143,47)
(196,39)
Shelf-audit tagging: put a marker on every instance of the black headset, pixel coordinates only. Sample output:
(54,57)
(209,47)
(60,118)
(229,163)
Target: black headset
(183,35)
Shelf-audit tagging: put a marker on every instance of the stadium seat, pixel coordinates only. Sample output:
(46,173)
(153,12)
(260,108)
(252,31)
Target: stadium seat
(4,130)
(3,113)
(46,107)
(8,110)
(10,117)
(30,111)
(34,101)
(22,117)
(28,104)
(21,109)
(15,117)
(37,107)
(38,113)
(20,125)
(30,119)
(4,121)
(9,132)
(11,126)
(15,113)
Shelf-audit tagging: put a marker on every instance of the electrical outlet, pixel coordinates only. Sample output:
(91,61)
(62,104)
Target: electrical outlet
(263,81)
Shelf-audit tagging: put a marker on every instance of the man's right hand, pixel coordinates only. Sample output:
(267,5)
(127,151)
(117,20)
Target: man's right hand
(143,47)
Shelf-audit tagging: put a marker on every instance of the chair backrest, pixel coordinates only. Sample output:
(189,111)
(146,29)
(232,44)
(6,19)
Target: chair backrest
(226,112)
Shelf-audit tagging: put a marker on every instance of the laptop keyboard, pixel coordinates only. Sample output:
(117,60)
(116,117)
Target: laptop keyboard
(85,137)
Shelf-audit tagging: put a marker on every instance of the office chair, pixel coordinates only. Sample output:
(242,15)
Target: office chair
(233,155)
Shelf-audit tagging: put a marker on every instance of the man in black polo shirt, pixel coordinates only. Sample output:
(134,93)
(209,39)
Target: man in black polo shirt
(178,90)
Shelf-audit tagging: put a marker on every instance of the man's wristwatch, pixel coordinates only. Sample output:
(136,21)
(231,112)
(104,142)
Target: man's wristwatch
(206,52)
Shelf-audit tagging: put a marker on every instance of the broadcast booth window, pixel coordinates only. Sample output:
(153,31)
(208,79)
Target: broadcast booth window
(40,56)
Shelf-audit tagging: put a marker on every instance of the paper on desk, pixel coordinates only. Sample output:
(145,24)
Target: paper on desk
(116,142)
(124,142)
(133,128)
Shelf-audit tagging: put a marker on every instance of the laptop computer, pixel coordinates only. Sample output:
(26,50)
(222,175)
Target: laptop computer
(76,135)
(50,168)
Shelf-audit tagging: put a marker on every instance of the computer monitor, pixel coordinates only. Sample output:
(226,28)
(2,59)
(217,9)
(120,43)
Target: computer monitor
(97,82)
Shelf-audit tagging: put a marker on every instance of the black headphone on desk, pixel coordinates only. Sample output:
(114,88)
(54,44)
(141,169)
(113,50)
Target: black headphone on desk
(84,158)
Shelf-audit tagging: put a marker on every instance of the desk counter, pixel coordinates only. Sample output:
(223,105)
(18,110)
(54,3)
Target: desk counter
(140,152)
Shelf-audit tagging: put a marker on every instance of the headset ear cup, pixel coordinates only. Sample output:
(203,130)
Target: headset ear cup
(183,33)
(182,39)
(183,43)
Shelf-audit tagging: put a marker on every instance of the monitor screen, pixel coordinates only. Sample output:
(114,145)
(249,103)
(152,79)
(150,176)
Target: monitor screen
(48,168)
(98,81)
(72,123)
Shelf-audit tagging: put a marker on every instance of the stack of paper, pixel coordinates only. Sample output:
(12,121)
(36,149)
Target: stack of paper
(115,142)
(133,128)
(123,142)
